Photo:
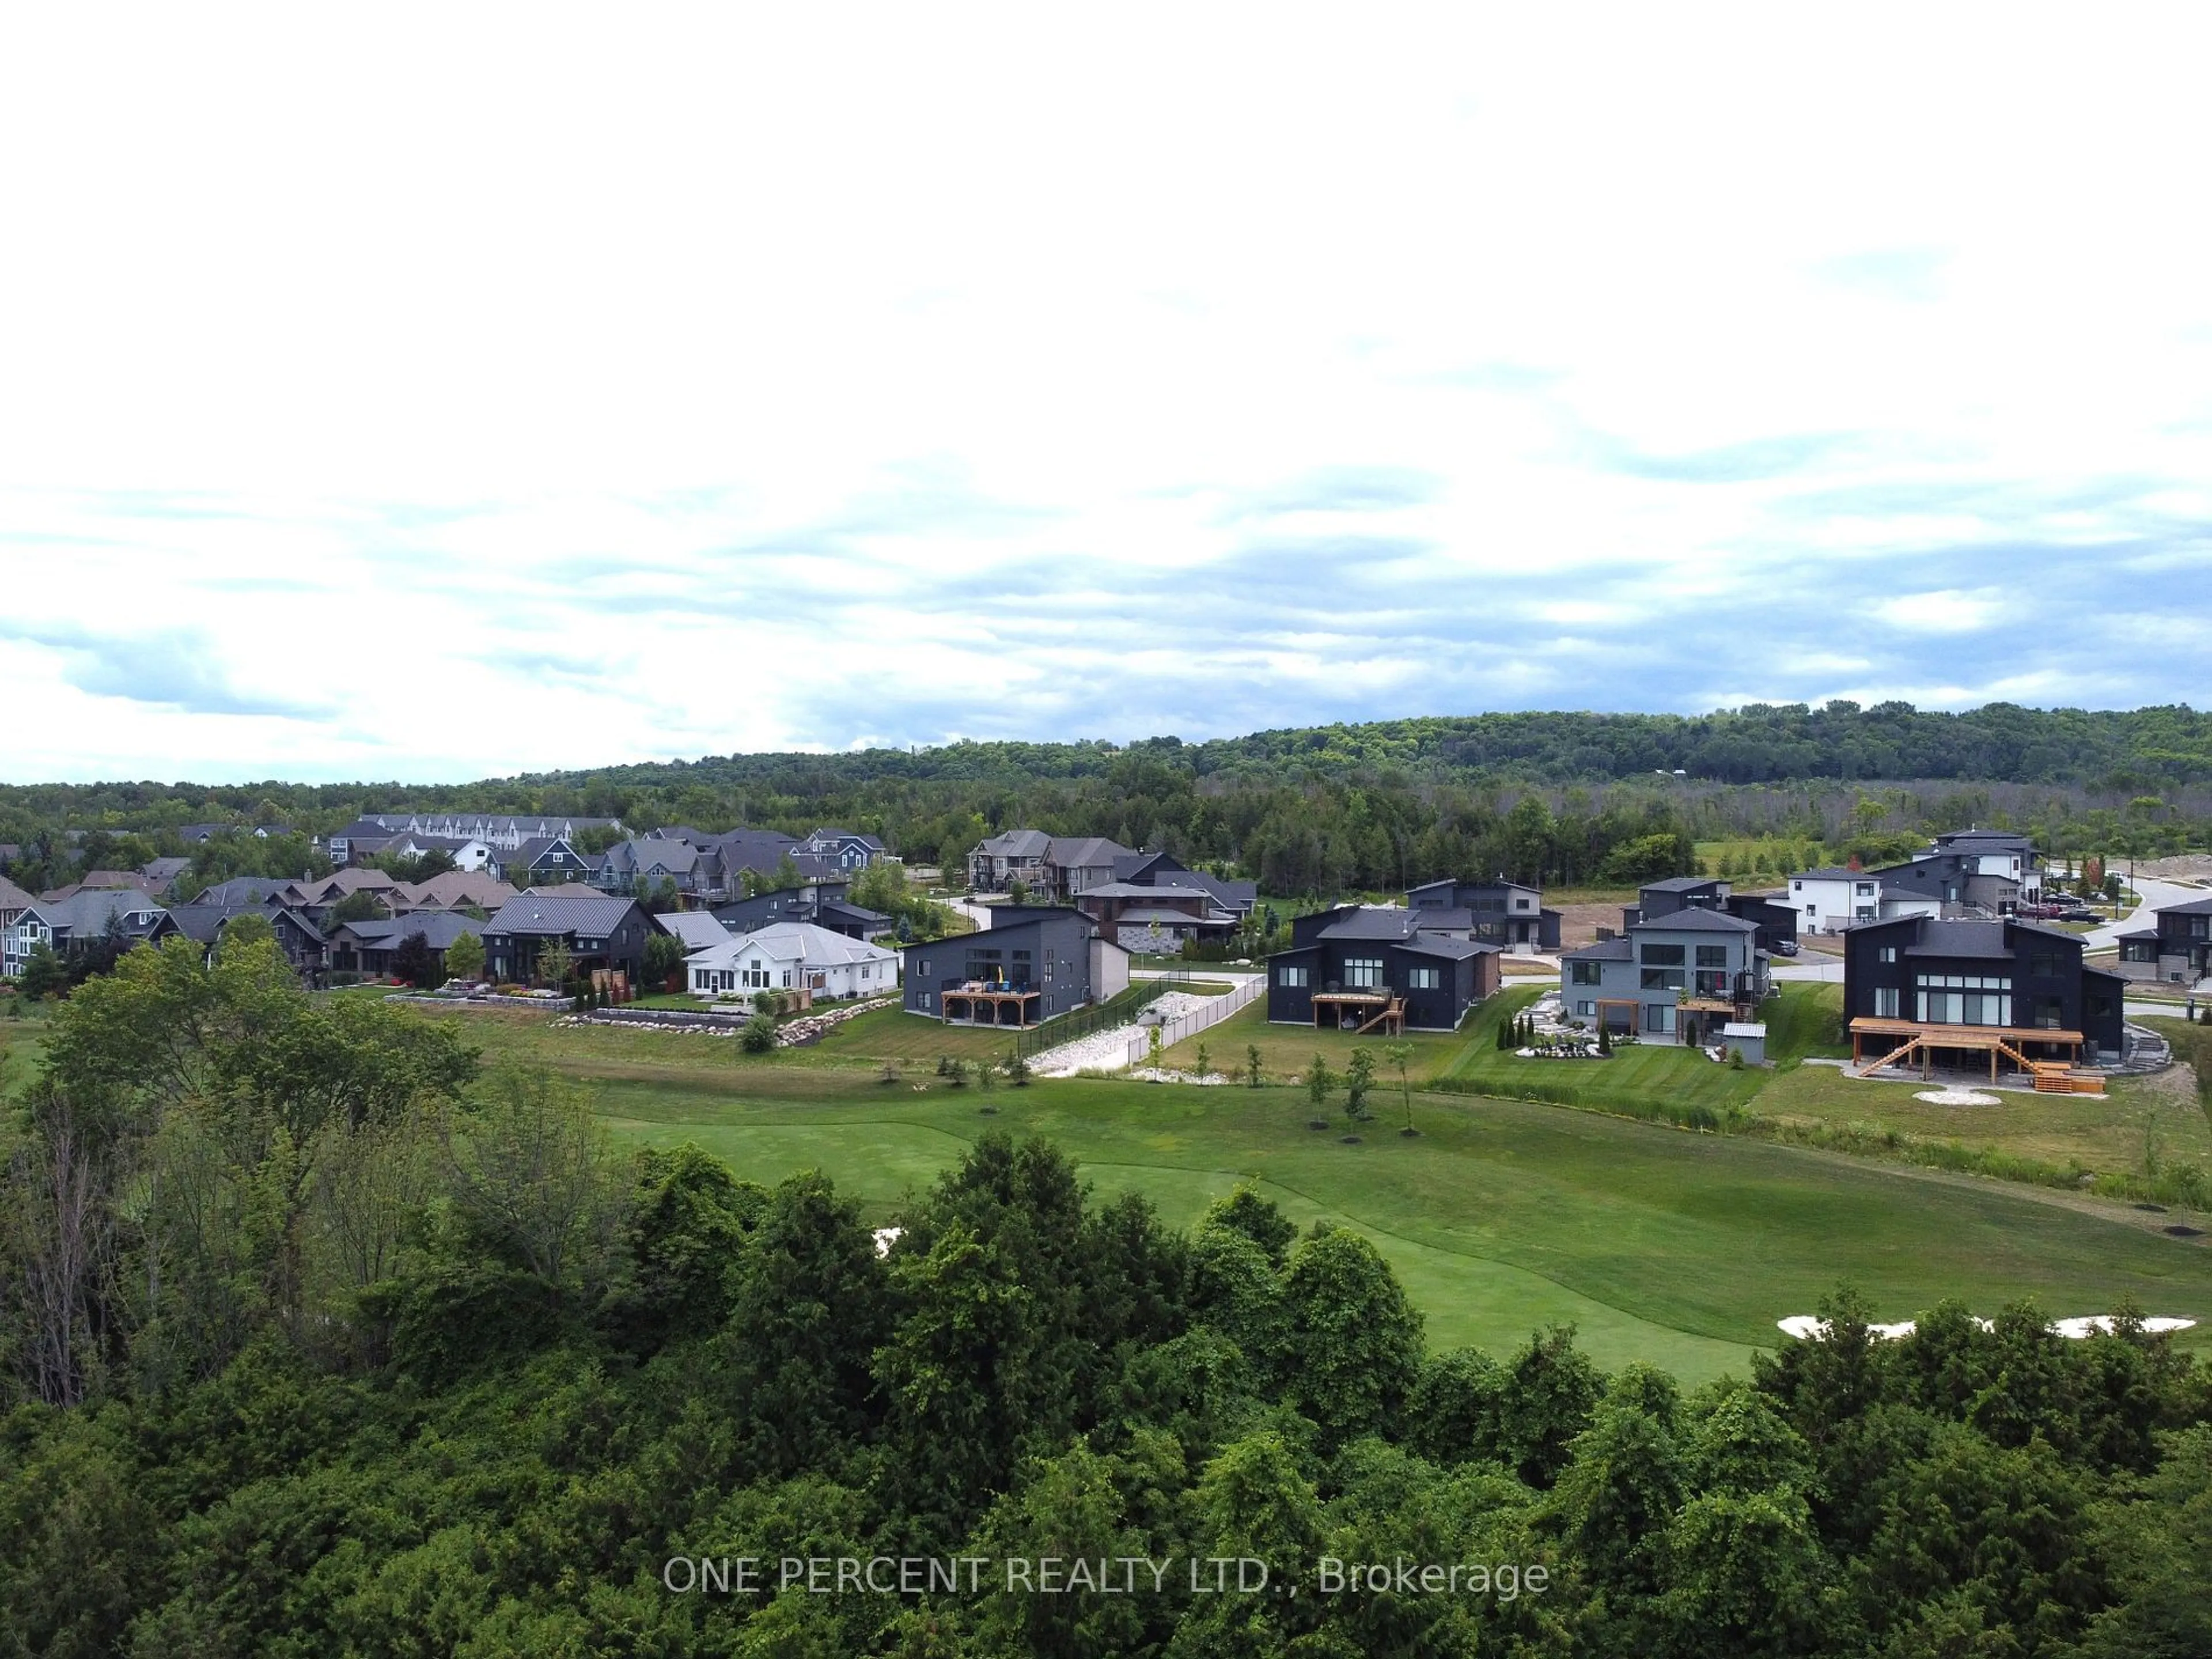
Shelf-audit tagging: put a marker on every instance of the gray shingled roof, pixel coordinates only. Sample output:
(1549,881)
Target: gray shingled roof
(1373,921)
(1697,921)
(438,928)
(1436,945)
(1083,852)
(2195,908)
(1962,939)
(1678,883)
(560,912)
(1606,950)
(1016,844)
(242,890)
(1834,873)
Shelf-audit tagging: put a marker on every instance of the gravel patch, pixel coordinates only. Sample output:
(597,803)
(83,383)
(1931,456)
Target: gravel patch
(1109,1050)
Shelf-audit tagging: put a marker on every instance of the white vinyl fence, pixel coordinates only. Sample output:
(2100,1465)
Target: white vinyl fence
(1211,1011)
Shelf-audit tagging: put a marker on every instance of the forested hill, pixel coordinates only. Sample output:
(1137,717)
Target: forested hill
(2002,743)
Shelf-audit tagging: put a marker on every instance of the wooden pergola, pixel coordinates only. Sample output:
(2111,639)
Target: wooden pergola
(1703,1006)
(1373,1008)
(977,998)
(1629,1002)
(1897,1041)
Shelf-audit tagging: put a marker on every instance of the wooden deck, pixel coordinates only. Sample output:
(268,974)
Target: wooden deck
(1896,1041)
(1377,1008)
(977,996)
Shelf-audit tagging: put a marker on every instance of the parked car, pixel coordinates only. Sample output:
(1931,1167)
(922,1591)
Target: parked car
(1785,947)
(2081,915)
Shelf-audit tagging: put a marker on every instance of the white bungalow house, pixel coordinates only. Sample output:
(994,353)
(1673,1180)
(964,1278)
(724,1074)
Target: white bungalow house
(792,955)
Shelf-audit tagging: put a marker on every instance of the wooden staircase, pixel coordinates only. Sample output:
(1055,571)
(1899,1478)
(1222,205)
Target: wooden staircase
(1392,1018)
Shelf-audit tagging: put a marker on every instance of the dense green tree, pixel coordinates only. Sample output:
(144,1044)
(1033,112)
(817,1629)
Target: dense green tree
(1357,1339)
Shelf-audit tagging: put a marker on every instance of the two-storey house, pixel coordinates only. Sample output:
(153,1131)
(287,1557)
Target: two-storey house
(1034,964)
(1378,968)
(83,921)
(1944,991)
(1678,978)
(1506,913)
(2177,949)
(598,933)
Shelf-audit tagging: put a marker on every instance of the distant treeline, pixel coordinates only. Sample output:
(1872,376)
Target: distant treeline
(1558,798)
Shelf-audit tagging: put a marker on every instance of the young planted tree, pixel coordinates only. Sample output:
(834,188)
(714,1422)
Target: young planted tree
(1359,1079)
(1153,1051)
(1205,1063)
(1320,1081)
(555,963)
(1017,1069)
(664,963)
(1400,1056)
(1252,1065)
(465,957)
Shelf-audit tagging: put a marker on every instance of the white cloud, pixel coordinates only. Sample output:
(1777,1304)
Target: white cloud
(525,386)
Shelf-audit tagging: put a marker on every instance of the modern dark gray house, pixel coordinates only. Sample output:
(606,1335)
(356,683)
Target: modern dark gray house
(1973,991)
(2178,950)
(368,947)
(1680,977)
(1033,964)
(1500,912)
(822,903)
(1237,896)
(1776,923)
(1363,967)
(598,932)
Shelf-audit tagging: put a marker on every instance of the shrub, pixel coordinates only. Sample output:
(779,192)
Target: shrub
(758,1036)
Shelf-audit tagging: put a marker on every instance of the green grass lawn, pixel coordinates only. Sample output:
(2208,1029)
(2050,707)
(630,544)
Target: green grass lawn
(1660,1244)
(1285,1051)
(2139,1120)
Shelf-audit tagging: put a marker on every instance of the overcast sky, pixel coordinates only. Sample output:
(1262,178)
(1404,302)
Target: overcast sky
(448,391)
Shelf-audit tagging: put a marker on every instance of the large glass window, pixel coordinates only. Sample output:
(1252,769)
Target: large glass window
(1363,972)
(1664,979)
(1422,979)
(1658,1017)
(1664,956)
(1710,984)
(1289,974)
(1885,1002)
(1712,956)
(1964,999)
(1585,972)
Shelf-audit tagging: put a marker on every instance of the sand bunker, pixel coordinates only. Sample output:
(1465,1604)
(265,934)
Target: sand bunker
(1807,1329)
